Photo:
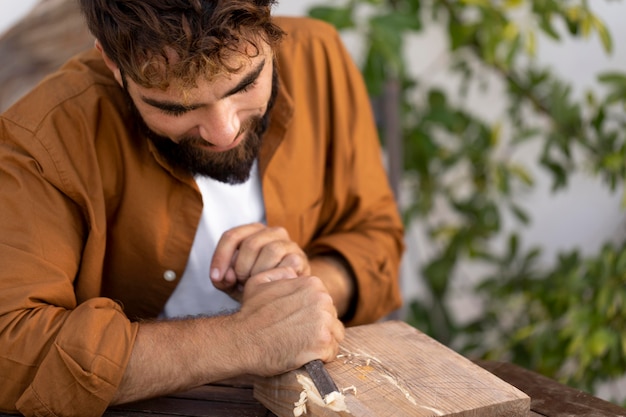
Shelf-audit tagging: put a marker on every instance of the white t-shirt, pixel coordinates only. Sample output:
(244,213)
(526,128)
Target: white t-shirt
(225,206)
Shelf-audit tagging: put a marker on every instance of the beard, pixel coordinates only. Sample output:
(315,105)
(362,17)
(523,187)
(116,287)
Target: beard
(232,166)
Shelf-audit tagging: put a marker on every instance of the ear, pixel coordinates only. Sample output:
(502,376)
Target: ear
(110,64)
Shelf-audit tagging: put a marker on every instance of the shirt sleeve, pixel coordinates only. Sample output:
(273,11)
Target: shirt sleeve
(63,351)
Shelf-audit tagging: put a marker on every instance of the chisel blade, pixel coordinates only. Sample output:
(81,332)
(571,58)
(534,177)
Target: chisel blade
(321,378)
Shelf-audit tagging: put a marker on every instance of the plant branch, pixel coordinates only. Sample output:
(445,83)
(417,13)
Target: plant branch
(526,92)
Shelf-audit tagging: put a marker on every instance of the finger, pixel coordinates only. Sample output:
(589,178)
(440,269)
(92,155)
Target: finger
(228,284)
(262,250)
(275,274)
(277,254)
(227,246)
(339,331)
(297,261)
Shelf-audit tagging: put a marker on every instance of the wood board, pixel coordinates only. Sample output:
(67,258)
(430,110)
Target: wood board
(392,369)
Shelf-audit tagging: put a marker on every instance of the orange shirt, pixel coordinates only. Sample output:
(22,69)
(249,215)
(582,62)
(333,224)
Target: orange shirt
(94,224)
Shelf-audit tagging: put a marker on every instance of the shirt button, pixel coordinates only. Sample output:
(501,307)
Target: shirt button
(169,275)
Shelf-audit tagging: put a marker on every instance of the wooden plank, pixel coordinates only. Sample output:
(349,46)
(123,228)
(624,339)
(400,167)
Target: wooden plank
(392,369)
(550,398)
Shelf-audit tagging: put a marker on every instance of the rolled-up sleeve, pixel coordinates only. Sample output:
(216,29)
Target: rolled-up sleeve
(82,365)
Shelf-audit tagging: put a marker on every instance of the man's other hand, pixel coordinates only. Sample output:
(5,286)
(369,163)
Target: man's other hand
(247,250)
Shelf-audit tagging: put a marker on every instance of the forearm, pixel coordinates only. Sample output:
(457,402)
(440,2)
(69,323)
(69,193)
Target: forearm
(373,258)
(170,356)
(284,322)
(339,280)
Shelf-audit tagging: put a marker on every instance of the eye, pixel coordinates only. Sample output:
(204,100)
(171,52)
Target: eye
(174,111)
(248,87)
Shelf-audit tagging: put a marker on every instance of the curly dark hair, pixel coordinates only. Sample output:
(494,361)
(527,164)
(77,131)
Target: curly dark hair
(142,36)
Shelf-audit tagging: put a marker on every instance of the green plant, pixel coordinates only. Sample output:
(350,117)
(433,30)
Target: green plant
(465,180)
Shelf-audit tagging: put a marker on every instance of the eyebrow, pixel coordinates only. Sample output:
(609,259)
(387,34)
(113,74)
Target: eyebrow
(173,106)
(250,78)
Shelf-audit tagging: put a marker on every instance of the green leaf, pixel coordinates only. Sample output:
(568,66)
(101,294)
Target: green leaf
(545,24)
(605,36)
(522,174)
(340,17)
(511,4)
(520,214)
(386,34)
(414,6)
(374,72)
(438,274)
(460,35)
(437,99)
(398,21)
(559,173)
(600,341)
(617,78)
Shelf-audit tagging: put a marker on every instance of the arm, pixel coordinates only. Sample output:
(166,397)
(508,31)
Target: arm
(339,281)
(56,335)
(283,323)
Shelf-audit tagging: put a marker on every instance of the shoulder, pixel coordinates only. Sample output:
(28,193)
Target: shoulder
(61,122)
(69,93)
(303,26)
(310,46)
(305,30)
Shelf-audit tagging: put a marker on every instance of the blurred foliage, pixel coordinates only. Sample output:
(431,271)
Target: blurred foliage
(567,321)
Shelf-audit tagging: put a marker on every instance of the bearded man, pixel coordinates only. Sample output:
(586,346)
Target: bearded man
(199,196)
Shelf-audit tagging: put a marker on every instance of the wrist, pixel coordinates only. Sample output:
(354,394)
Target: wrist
(338,276)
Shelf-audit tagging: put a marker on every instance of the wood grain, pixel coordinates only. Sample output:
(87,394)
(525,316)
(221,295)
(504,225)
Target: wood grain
(392,369)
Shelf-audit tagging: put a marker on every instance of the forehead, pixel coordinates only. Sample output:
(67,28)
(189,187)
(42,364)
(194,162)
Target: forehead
(235,64)
(185,68)
(211,86)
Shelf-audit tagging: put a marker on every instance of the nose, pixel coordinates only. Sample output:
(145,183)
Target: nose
(220,125)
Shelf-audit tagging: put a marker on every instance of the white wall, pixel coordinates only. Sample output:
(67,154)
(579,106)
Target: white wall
(13,10)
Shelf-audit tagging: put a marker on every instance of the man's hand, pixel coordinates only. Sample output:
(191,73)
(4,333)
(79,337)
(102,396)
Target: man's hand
(285,322)
(250,249)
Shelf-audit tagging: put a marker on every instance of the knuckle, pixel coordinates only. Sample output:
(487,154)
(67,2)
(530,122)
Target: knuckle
(241,272)
(317,284)
(275,249)
(325,337)
(279,230)
(230,235)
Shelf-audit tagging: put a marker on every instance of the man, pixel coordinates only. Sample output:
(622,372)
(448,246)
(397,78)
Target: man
(200,196)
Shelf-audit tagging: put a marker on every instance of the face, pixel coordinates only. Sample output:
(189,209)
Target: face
(214,129)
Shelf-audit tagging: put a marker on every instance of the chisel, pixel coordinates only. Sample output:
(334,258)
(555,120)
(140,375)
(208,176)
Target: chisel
(322,380)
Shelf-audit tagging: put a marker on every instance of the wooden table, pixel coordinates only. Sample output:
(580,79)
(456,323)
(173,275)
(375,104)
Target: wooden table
(234,399)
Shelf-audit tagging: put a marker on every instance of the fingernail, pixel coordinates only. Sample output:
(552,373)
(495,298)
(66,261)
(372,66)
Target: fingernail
(215,274)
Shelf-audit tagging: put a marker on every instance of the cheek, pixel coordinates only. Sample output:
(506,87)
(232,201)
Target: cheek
(260,99)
